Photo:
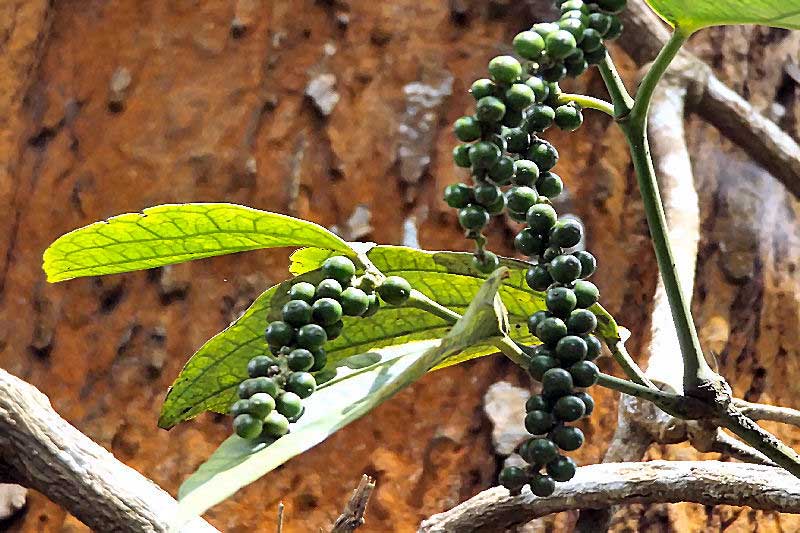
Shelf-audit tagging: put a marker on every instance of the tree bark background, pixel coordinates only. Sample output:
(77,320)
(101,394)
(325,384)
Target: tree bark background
(112,107)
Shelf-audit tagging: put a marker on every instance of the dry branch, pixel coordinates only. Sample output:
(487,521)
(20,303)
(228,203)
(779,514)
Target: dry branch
(760,411)
(604,485)
(40,450)
(353,516)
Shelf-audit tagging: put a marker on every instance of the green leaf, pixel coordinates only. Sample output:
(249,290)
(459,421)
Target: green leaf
(168,234)
(208,381)
(692,15)
(237,463)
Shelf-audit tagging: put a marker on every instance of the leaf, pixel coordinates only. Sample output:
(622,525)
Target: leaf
(237,463)
(208,381)
(174,233)
(692,15)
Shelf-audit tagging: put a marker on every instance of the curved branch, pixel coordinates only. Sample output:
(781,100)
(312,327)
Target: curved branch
(603,485)
(760,411)
(40,450)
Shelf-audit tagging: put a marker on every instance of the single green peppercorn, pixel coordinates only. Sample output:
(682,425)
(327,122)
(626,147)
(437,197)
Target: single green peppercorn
(458,195)
(320,359)
(505,69)
(600,22)
(612,6)
(550,185)
(570,350)
(339,268)
(540,117)
(529,243)
(517,140)
(289,404)
(574,27)
(568,117)
(554,73)
(490,109)
(566,233)
(329,288)
(498,206)
(539,422)
(473,217)
(565,268)
(521,198)
(561,469)
(545,28)
(311,336)
(542,486)
(541,451)
(593,347)
(334,330)
(550,330)
(247,426)
(529,44)
(584,373)
(461,155)
(586,293)
(588,263)
(581,321)
(543,154)
(526,173)
(251,386)
(486,263)
(296,313)
(513,478)
(615,30)
(302,291)
(560,300)
(301,383)
(260,365)
(540,364)
(568,438)
(556,383)
(240,407)
(279,334)
(395,290)
(560,44)
(536,403)
(275,425)
(588,402)
(595,57)
(354,301)
(484,154)
(300,360)
(326,311)
(541,217)
(592,40)
(502,171)
(538,278)
(534,320)
(569,409)
(261,405)
(467,129)
(482,88)
(519,96)
(539,86)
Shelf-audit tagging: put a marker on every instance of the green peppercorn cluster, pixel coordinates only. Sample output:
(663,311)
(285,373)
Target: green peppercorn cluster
(519,101)
(271,398)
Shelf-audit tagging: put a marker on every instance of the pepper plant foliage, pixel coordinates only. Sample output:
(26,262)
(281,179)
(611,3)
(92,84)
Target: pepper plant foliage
(357,322)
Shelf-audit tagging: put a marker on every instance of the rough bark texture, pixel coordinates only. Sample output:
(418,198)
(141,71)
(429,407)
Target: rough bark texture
(112,107)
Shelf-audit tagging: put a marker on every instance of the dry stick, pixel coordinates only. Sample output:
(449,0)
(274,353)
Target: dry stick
(735,118)
(760,411)
(41,451)
(604,485)
(353,515)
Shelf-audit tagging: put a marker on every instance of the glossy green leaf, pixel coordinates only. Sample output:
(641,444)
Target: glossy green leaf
(692,15)
(208,381)
(169,234)
(349,396)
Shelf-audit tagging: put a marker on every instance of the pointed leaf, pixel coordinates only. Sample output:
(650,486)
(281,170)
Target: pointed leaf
(237,463)
(692,15)
(208,381)
(176,233)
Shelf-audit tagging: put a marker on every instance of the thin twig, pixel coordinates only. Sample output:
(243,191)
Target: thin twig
(353,515)
(760,411)
(280,517)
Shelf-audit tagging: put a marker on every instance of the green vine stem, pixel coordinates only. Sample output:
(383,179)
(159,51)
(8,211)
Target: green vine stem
(703,388)
(587,102)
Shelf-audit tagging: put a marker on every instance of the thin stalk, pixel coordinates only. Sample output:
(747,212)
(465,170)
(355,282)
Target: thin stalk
(634,389)
(420,301)
(623,103)
(696,369)
(587,102)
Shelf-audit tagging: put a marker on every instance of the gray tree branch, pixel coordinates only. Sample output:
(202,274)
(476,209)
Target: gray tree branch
(604,485)
(41,451)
